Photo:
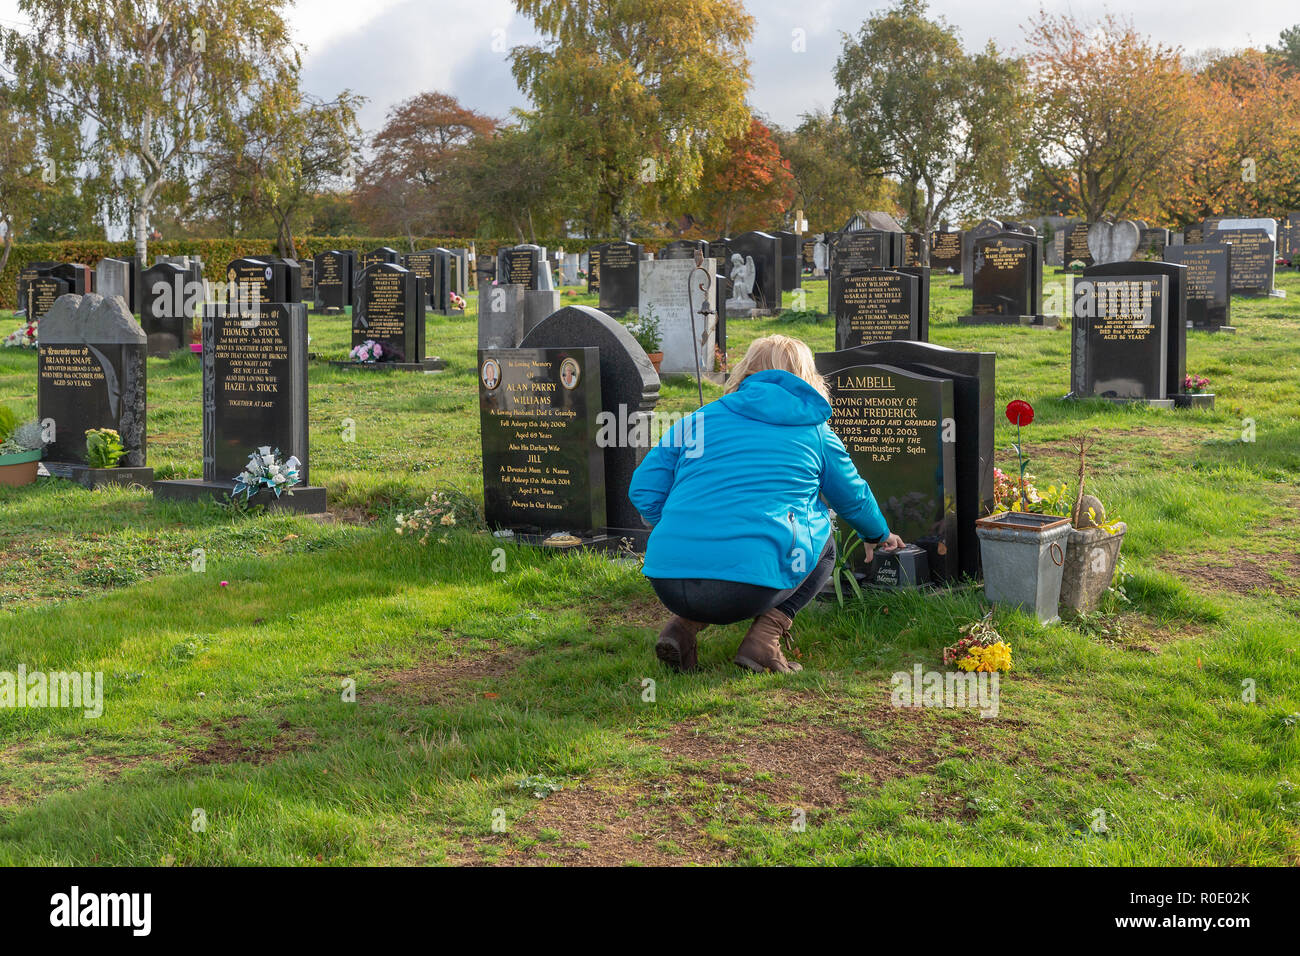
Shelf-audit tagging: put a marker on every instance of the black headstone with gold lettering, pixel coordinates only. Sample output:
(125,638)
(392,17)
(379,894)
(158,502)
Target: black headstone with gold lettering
(876,305)
(390,310)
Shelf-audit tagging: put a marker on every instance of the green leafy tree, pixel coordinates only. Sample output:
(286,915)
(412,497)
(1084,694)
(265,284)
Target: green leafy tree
(636,94)
(1288,47)
(514,182)
(829,187)
(152,82)
(947,125)
(21,181)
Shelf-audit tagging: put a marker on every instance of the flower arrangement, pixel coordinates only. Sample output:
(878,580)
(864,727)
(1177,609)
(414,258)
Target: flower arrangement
(1196,384)
(645,329)
(457,302)
(23,337)
(367,351)
(980,648)
(1005,495)
(266,469)
(103,448)
(442,509)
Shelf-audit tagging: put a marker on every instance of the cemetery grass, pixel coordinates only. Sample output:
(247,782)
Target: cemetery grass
(477,689)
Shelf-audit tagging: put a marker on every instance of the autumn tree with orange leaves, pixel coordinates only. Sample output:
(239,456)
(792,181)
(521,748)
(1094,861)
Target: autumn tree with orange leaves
(749,187)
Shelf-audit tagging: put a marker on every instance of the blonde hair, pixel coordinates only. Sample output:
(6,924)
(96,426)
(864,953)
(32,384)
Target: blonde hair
(778,352)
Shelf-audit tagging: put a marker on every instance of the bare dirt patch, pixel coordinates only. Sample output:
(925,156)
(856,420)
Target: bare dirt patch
(1246,574)
(728,776)
(646,612)
(225,750)
(445,680)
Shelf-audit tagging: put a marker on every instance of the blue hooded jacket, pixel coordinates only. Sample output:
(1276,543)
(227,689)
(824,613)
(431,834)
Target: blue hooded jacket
(733,490)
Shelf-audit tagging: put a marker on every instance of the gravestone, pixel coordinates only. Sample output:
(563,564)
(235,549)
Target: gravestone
(254,396)
(808,256)
(308,277)
(852,252)
(500,316)
(522,265)
(665,295)
(684,249)
(922,274)
(374,257)
(719,252)
(538,304)
(1120,330)
(790,259)
(80,279)
(1254,257)
(1174,307)
(543,469)
(334,276)
(91,372)
(1113,241)
(984,229)
(765,249)
(459,274)
(1076,244)
(593,271)
(391,308)
(1209,296)
(1152,245)
(619,276)
(113,278)
(435,267)
(876,305)
(43,290)
(569,268)
(169,303)
(485,270)
(629,390)
(1008,281)
(892,423)
(915,252)
(268,279)
(973,377)
(945,250)
(1293,236)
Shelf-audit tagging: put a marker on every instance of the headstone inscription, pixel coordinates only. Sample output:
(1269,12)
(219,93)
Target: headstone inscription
(432,266)
(1174,308)
(629,390)
(593,271)
(1293,237)
(915,252)
(1076,244)
(1209,297)
(522,265)
(892,423)
(972,375)
(543,469)
(333,286)
(687,338)
(270,280)
(91,372)
(856,251)
(619,276)
(254,398)
(169,303)
(765,249)
(1120,339)
(391,308)
(945,250)
(1008,281)
(984,229)
(308,276)
(365,261)
(43,290)
(876,305)
(1254,257)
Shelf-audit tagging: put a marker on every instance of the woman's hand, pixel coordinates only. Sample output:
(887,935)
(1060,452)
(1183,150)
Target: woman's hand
(892,543)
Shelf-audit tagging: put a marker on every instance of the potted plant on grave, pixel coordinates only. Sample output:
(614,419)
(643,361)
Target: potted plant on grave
(645,329)
(1094,542)
(21,446)
(1196,393)
(1023,552)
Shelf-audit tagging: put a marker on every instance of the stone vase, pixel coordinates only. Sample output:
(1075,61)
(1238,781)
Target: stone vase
(1090,561)
(1023,556)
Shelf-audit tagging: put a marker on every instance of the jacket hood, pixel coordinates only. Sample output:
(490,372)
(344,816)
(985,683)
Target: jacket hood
(779,398)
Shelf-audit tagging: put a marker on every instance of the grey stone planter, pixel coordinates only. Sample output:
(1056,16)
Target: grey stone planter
(1023,555)
(1089,566)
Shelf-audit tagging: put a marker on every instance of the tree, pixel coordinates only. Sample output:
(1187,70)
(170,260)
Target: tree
(749,186)
(284,150)
(1288,47)
(407,183)
(514,181)
(1111,111)
(151,82)
(636,94)
(21,182)
(917,107)
(829,188)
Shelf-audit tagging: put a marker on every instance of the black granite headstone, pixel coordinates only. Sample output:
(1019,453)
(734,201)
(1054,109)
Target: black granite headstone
(973,376)
(620,276)
(684,249)
(1209,297)
(390,310)
(1254,256)
(893,424)
(876,305)
(1120,333)
(984,229)
(42,292)
(1008,281)
(945,250)
(543,469)
(91,373)
(270,279)
(333,284)
(1174,308)
(629,389)
(765,249)
(790,259)
(170,301)
(521,265)
(593,271)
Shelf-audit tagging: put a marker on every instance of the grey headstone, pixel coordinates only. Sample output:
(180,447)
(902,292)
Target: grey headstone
(500,316)
(538,304)
(1113,241)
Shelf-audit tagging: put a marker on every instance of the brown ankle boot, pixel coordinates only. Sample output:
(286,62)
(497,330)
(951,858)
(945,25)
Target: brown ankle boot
(761,649)
(676,644)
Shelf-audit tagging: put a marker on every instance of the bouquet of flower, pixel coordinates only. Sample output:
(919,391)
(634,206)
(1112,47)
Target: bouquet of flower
(980,648)
(367,351)
(23,337)
(1005,495)
(439,511)
(1196,384)
(457,302)
(265,469)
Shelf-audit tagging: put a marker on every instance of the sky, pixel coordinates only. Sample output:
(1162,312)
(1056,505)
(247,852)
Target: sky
(388,50)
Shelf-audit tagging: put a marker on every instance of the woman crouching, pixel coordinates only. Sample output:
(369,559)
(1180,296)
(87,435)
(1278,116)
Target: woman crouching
(734,495)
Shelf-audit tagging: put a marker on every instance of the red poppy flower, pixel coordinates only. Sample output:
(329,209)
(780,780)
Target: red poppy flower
(1020,413)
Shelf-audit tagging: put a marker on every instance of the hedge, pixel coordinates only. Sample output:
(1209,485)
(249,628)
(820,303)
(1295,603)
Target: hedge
(218,253)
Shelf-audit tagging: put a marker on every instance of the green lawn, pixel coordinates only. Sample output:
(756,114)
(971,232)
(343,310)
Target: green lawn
(227,690)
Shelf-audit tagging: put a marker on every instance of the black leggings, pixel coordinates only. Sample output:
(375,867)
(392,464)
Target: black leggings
(709,601)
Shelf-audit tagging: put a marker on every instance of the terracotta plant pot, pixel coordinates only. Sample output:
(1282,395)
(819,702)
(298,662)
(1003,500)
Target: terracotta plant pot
(1089,568)
(19,469)
(655,359)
